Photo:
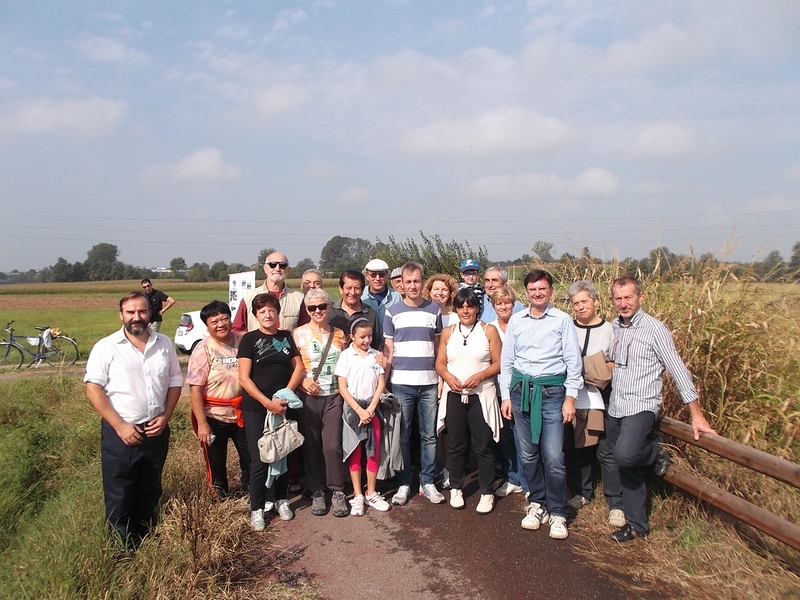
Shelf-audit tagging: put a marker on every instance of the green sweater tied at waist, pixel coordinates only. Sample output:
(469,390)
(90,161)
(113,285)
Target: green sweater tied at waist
(532,397)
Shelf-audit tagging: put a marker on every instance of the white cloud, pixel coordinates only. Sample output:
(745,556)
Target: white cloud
(664,140)
(204,165)
(594,181)
(90,116)
(663,47)
(281,99)
(109,50)
(508,131)
(354,194)
(793,172)
(320,169)
(6,83)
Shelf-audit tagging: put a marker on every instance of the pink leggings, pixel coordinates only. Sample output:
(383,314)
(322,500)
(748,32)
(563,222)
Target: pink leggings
(373,462)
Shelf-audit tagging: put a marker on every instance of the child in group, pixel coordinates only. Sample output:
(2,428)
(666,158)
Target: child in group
(361,383)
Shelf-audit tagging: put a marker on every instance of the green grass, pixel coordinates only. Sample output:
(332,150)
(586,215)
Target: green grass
(53,540)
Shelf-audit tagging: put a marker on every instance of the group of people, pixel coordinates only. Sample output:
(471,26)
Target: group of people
(466,365)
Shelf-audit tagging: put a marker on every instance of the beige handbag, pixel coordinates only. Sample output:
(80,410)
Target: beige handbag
(278,442)
(596,371)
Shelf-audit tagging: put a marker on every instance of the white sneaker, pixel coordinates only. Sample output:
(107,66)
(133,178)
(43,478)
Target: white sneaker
(445,479)
(456,499)
(284,512)
(376,501)
(357,506)
(507,489)
(616,518)
(431,493)
(257,520)
(486,504)
(269,506)
(401,495)
(558,528)
(535,516)
(577,502)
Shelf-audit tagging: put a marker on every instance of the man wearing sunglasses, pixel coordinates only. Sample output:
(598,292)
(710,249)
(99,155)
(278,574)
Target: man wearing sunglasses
(276,266)
(378,294)
(643,349)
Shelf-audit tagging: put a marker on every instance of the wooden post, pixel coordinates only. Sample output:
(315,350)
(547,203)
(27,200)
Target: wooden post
(778,468)
(763,520)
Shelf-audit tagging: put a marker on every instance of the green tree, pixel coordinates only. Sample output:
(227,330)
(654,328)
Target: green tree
(772,267)
(101,262)
(543,251)
(177,265)
(258,266)
(794,262)
(435,255)
(198,272)
(297,271)
(219,271)
(341,253)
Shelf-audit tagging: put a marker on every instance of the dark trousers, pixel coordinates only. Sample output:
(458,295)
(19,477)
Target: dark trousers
(320,422)
(465,421)
(579,464)
(131,482)
(218,453)
(254,429)
(635,447)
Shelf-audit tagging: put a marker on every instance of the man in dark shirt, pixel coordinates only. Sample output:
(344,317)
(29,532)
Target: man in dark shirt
(159,304)
(350,307)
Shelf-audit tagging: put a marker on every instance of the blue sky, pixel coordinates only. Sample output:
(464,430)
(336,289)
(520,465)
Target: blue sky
(211,130)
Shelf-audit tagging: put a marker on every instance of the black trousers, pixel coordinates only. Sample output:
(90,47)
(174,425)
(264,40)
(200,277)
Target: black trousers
(254,428)
(320,422)
(132,482)
(465,421)
(218,453)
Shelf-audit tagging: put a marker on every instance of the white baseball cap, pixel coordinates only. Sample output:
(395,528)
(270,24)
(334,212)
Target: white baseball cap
(376,264)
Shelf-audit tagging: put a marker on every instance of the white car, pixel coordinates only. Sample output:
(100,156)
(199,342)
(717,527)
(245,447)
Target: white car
(190,331)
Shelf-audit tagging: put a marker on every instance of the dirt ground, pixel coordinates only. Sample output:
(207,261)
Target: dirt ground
(44,302)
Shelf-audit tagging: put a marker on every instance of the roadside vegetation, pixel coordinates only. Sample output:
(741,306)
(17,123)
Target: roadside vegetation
(739,338)
(53,543)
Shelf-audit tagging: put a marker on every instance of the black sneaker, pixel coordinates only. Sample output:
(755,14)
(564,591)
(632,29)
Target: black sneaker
(663,462)
(339,502)
(318,506)
(626,534)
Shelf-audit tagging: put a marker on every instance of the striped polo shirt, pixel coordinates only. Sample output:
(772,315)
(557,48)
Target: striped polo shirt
(414,331)
(641,353)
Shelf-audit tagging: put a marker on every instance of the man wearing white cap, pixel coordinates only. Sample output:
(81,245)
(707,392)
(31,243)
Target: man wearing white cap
(378,294)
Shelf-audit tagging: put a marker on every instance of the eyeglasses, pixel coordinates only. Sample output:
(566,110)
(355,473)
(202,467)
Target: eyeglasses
(619,353)
(282,265)
(323,307)
(375,274)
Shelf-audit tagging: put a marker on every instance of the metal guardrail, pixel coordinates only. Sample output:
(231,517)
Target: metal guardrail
(762,462)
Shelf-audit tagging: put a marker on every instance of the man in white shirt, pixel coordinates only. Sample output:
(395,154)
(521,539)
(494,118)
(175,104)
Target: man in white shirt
(133,381)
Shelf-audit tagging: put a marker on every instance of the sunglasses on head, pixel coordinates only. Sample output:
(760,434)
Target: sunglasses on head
(322,307)
(282,265)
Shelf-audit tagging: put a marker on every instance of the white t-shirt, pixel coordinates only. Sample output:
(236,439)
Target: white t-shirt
(361,372)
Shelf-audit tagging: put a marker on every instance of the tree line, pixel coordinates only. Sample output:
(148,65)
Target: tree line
(436,255)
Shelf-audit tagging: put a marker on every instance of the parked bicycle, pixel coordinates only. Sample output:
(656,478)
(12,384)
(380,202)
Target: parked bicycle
(50,345)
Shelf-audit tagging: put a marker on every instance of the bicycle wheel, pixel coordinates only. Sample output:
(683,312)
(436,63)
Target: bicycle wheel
(10,357)
(63,352)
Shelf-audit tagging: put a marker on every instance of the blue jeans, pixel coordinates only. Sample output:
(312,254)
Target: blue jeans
(424,399)
(509,456)
(543,464)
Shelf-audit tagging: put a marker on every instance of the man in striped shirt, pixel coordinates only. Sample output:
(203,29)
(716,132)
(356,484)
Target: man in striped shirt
(411,330)
(643,350)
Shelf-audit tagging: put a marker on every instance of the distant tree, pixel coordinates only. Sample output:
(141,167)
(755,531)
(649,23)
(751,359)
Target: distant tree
(341,253)
(198,272)
(3,276)
(101,263)
(237,268)
(62,271)
(219,271)
(543,251)
(794,262)
(177,265)
(297,271)
(435,255)
(772,267)
(586,253)
(262,258)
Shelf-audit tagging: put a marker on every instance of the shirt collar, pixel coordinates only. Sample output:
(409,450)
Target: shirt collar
(548,312)
(119,336)
(637,316)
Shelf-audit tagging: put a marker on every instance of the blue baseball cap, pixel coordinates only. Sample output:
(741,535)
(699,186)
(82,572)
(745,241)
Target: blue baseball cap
(470,264)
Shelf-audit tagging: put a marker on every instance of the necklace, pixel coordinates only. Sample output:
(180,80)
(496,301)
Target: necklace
(470,331)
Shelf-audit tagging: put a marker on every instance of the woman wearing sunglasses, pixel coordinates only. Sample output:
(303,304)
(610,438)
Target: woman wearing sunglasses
(320,418)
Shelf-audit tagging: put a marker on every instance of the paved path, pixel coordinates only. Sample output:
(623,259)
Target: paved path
(432,551)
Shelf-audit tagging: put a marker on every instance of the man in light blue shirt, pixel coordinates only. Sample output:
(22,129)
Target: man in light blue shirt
(540,375)
(377,294)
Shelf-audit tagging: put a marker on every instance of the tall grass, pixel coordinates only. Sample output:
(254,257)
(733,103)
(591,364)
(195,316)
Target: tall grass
(53,541)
